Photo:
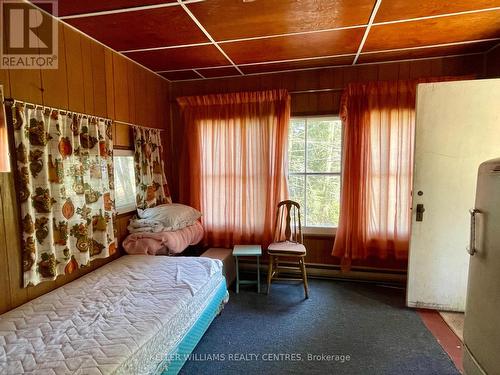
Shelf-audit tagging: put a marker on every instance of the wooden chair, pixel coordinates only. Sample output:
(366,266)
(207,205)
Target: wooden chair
(287,243)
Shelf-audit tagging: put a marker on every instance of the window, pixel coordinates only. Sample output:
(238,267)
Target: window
(123,161)
(314,169)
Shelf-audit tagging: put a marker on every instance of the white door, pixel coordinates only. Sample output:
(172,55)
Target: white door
(457,128)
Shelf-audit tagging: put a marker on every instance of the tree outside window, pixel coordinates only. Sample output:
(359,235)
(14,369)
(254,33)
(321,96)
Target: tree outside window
(314,170)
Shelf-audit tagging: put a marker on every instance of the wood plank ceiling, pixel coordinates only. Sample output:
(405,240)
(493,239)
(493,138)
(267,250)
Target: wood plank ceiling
(199,39)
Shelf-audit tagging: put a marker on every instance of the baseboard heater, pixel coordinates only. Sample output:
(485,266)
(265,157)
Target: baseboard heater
(332,271)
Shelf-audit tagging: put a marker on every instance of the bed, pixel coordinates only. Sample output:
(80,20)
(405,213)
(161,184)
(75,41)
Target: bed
(163,242)
(136,315)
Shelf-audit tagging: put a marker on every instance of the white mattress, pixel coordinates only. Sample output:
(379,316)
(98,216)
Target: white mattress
(122,318)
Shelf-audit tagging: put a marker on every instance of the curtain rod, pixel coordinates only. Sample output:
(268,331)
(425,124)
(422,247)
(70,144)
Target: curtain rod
(315,90)
(137,126)
(11,101)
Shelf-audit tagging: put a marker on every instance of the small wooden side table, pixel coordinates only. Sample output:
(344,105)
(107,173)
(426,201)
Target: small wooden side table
(247,251)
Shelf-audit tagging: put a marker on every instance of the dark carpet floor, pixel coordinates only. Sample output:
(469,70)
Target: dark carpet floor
(279,333)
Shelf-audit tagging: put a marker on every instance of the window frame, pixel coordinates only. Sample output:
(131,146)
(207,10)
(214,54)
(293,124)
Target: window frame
(125,209)
(315,230)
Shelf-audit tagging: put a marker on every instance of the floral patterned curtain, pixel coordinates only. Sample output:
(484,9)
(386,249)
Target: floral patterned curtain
(66,189)
(152,187)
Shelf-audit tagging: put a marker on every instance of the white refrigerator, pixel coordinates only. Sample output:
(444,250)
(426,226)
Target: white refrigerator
(482,311)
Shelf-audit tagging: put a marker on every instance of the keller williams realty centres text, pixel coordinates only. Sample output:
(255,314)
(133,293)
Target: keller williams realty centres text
(266,357)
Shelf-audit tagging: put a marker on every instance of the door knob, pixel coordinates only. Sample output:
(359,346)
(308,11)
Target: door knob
(420,212)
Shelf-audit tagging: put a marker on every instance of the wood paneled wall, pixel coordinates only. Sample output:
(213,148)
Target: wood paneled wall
(327,78)
(493,63)
(320,103)
(91,79)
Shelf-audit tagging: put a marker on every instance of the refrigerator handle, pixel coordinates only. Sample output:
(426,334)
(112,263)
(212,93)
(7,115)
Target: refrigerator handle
(472,239)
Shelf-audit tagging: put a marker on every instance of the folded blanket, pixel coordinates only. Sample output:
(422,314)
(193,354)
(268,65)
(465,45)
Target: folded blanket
(157,243)
(145,225)
(166,217)
(173,216)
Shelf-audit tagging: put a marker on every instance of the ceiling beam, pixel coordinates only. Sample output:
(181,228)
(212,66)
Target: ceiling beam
(126,10)
(197,72)
(204,31)
(367,31)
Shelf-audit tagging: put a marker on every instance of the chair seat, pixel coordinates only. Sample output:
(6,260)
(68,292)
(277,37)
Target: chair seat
(287,247)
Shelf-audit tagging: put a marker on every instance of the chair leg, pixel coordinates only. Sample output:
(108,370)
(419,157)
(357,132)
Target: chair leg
(270,273)
(304,275)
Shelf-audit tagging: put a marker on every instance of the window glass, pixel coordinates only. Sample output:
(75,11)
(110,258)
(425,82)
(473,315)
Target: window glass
(124,183)
(322,197)
(324,139)
(314,170)
(296,145)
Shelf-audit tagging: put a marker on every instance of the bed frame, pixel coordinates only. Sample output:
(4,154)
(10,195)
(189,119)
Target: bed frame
(178,357)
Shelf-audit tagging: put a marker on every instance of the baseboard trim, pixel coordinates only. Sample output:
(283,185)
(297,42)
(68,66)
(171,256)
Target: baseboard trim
(434,306)
(326,271)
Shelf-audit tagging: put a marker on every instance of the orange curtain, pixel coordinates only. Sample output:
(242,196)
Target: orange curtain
(233,167)
(379,125)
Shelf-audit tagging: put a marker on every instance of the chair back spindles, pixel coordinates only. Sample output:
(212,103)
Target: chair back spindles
(288,232)
(288,225)
(300,230)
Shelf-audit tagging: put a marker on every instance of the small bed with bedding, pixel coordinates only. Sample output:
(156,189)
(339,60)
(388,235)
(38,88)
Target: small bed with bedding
(135,315)
(167,229)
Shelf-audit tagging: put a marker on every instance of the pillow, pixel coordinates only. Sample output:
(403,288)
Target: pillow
(173,216)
